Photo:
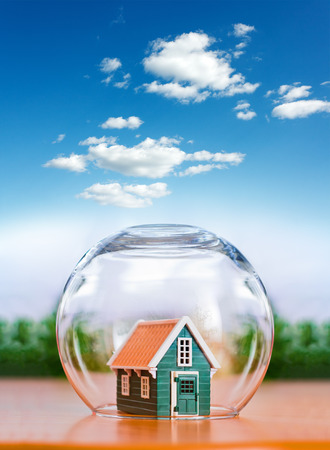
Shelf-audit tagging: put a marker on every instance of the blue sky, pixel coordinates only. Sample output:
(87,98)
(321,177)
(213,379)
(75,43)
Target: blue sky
(207,113)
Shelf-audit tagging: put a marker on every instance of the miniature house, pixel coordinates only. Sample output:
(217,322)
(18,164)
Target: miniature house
(164,368)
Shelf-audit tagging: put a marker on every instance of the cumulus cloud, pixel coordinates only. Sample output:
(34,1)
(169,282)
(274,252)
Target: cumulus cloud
(241,45)
(290,92)
(300,109)
(132,123)
(73,163)
(233,159)
(242,105)
(242,30)
(238,53)
(269,93)
(293,92)
(246,115)
(125,83)
(107,80)
(131,196)
(108,65)
(92,140)
(59,139)
(244,110)
(194,170)
(191,70)
(151,158)
(184,94)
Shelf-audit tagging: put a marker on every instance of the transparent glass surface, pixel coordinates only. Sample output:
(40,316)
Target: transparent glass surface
(157,272)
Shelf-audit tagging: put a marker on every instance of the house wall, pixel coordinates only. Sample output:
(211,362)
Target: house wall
(169,364)
(134,403)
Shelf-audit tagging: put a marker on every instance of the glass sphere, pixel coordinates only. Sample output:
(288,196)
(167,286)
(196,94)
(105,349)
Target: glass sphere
(169,318)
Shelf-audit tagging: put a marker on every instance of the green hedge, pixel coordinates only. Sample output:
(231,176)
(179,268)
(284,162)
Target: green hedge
(28,348)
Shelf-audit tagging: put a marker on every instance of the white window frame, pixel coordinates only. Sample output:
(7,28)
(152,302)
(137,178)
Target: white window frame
(124,385)
(145,387)
(184,355)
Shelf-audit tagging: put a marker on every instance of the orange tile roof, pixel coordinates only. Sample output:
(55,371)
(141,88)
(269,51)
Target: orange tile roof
(143,344)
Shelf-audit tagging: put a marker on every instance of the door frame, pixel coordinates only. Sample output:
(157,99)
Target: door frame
(174,393)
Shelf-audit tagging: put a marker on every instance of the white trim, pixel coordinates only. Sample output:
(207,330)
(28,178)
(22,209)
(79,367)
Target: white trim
(174,391)
(152,366)
(187,354)
(167,343)
(145,387)
(153,372)
(185,320)
(212,372)
(125,379)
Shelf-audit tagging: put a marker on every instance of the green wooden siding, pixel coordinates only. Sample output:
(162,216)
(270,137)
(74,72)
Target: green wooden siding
(134,403)
(169,364)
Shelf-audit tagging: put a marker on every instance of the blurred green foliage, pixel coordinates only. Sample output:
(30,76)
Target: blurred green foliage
(301,350)
(28,348)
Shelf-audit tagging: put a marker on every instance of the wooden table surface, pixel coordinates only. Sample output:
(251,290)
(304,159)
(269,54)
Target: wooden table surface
(47,413)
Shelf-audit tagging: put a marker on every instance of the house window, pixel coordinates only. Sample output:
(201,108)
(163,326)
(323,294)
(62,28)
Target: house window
(125,385)
(184,352)
(145,389)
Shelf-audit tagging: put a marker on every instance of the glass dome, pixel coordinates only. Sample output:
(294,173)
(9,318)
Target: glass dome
(164,321)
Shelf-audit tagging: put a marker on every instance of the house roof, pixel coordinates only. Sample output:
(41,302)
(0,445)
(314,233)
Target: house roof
(148,342)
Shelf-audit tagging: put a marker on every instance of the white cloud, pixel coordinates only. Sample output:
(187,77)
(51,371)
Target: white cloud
(184,94)
(238,53)
(300,109)
(246,115)
(132,123)
(191,141)
(109,65)
(242,105)
(92,140)
(293,92)
(241,45)
(244,111)
(107,80)
(203,155)
(233,159)
(131,196)
(242,30)
(325,83)
(269,93)
(194,170)
(59,138)
(123,84)
(192,71)
(246,88)
(74,163)
(151,158)
(155,190)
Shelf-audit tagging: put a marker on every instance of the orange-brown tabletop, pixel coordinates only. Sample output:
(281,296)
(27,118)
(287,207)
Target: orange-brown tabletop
(48,414)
